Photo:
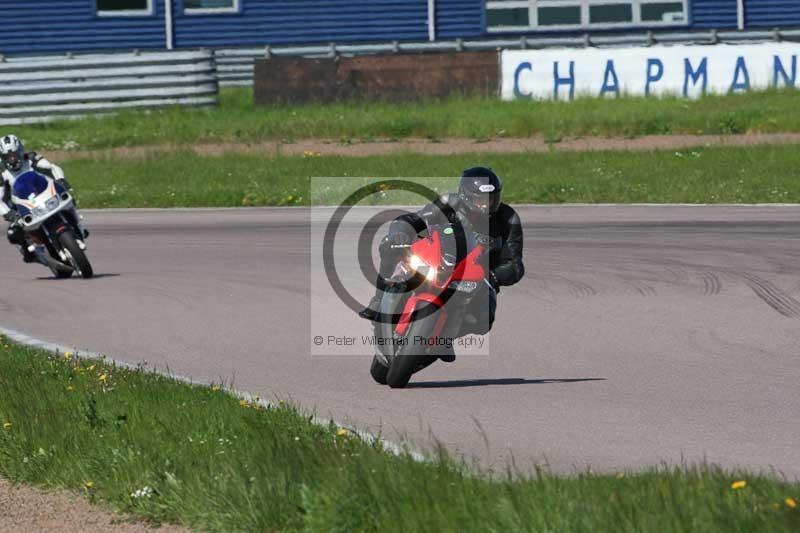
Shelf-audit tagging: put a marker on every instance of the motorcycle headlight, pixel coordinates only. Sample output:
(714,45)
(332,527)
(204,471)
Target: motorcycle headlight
(416,263)
(49,205)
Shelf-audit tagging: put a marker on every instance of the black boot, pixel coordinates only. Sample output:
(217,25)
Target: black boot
(27,255)
(372,311)
(448,355)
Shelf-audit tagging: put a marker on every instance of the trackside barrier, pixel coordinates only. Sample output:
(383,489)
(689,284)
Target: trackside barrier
(235,65)
(38,89)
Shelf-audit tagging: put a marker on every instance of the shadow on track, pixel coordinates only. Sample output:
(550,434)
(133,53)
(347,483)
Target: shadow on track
(497,381)
(96,276)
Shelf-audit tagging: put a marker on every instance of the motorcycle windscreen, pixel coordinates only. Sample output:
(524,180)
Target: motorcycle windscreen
(29,184)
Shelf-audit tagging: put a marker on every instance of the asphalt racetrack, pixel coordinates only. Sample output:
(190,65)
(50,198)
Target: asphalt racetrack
(639,335)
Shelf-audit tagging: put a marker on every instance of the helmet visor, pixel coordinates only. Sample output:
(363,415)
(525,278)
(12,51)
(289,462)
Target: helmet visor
(485,203)
(11,159)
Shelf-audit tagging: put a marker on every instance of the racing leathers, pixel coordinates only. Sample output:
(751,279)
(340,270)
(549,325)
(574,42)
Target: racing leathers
(504,241)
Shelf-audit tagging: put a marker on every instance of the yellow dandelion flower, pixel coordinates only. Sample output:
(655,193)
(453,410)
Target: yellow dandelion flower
(69,388)
(91,368)
(342,432)
(736,485)
(243,403)
(67,355)
(88,485)
(215,388)
(7,425)
(790,503)
(102,378)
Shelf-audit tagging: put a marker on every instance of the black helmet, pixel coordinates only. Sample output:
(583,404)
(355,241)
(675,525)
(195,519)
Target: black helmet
(479,190)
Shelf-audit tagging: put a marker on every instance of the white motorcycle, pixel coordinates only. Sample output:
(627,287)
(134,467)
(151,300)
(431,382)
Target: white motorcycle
(51,224)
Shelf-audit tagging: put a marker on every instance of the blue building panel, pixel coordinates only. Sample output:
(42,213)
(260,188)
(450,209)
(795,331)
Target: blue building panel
(58,26)
(459,18)
(772,13)
(52,26)
(277,22)
(707,14)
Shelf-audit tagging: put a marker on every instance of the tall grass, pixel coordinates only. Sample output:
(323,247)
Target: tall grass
(167,451)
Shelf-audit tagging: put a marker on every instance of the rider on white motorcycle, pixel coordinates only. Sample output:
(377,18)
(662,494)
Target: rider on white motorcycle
(15,163)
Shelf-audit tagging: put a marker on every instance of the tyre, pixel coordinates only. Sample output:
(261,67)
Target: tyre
(410,359)
(62,274)
(75,255)
(378,370)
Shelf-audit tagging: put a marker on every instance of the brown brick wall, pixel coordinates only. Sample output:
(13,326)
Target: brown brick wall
(394,77)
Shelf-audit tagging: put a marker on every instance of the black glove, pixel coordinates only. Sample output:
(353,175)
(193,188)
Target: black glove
(66,184)
(11,217)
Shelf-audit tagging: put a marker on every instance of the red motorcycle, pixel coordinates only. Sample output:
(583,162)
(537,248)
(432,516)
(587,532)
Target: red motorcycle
(424,305)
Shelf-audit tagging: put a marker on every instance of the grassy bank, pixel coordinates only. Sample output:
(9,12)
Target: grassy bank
(711,175)
(236,120)
(166,451)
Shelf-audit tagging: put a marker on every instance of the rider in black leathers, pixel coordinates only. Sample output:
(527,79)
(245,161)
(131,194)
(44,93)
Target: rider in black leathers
(476,206)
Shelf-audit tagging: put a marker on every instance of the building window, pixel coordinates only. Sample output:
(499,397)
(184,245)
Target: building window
(210,7)
(521,15)
(124,8)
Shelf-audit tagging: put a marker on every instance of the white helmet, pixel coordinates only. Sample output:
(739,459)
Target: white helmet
(11,152)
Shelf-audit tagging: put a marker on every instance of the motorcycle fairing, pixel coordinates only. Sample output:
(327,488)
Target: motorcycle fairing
(411,306)
(469,269)
(430,251)
(27,188)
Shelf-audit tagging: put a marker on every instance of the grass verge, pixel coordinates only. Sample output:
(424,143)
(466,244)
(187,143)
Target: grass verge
(203,458)
(236,120)
(704,175)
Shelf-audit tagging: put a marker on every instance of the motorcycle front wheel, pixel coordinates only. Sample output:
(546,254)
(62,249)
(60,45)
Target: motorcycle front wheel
(410,358)
(378,370)
(76,256)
